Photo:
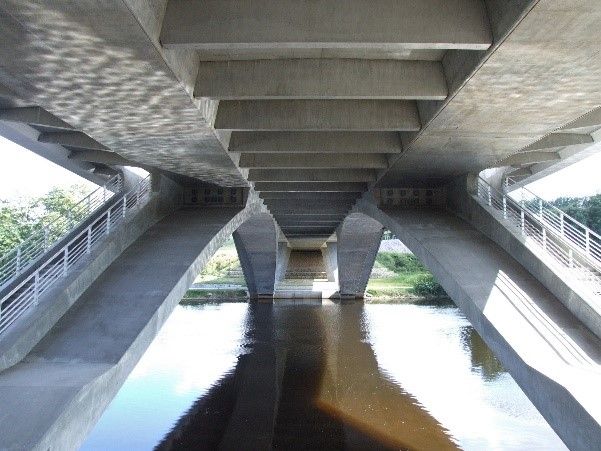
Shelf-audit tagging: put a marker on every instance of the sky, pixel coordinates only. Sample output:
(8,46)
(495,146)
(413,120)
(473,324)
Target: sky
(26,174)
(578,180)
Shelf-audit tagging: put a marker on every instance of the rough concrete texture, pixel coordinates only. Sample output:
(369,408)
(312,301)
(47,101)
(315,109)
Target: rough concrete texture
(358,241)
(99,67)
(554,358)
(256,243)
(321,78)
(544,75)
(317,115)
(405,24)
(56,394)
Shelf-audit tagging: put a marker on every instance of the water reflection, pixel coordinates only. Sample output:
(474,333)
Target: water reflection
(321,377)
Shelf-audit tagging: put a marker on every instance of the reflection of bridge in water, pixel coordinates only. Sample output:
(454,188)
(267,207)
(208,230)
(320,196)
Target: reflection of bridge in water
(309,380)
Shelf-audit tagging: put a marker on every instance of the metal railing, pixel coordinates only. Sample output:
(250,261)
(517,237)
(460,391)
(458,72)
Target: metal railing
(552,232)
(56,266)
(45,235)
(567,227)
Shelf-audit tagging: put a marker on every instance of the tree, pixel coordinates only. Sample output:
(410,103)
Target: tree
(586,210)
(20,219)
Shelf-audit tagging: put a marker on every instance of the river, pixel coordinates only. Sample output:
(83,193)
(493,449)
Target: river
(320,376)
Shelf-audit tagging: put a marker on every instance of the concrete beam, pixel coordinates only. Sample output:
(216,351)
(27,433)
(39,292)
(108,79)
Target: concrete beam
(282,206)
(335,187)
(71,139)
(522,158)
(325,161)
(33,116)
(393,24)
(317,115)
(588,123)
(307,175)
(522,172)
(283,218)
(316,142)
(321,79)
(98,156)
(559,140)
(310,211)
(294,196)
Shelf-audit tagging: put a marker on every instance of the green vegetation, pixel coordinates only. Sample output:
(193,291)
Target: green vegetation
(18,220)
(426,285)
(400,263)
(397,275)
(586,210)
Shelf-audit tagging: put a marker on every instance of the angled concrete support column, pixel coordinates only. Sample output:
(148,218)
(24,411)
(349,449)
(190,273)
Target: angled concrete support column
(282,261)
(330,258)
(358,242)
(256,243)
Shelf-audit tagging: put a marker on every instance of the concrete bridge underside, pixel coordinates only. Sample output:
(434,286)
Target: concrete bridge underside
(58,389)
(312,109)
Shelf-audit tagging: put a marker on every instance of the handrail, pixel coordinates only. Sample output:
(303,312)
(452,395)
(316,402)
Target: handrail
(57,265)
(566,226)
(22,256)
(556,239)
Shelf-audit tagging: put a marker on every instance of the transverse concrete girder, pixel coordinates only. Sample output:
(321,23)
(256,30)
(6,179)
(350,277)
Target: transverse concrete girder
(394,24)
(588,123)
(283,206)
(96,156)
(321,79)
(71,139)
(328,187)
(33,116)
(317,115)
(316,142)
(284,218)
(528,158)
(559,140)
(325,161)
(307,175)
(294,196)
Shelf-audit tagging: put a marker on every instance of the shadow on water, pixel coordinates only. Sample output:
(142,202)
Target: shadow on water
(483,360)
(308,380)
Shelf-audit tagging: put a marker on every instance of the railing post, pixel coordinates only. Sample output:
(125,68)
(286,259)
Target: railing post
(124,205)
(489,193)
(89,240)
(66,260)
(46,236)
(544,239)
(36,288)
(504,206)
(587,238)
(561,223)
(108,221)
(18,262)
(540,209)
(522,221)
